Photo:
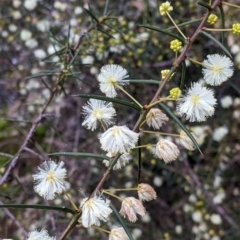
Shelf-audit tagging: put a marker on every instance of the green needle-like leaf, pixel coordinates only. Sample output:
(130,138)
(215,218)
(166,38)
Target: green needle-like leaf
(217,42)
(165,32)
(115,100)
(222,22)
(203,4)
(183,75)
(235,87)
(148,81)
(184,24)
(122,222)
(42,75)
(36,206)
(181,125)
(79,154)
(91,14)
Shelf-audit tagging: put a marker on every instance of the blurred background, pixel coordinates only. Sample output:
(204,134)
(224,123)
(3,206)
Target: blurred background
(198,195)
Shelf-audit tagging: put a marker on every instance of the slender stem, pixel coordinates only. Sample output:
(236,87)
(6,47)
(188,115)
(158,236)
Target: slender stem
(120,189)
(6,155)
(176,26)
(102,124)
(101,229)
(70,200)
(195,61)
(145,146)
(162,133)
(217,29)
(112,195)
(130,97)
(70,226)
(230,4)
(142,123)
(161,100)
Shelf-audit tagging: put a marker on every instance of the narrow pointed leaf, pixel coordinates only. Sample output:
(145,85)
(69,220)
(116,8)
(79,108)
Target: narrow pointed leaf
(75,56)
(115,100)
(222,22)
(121,221)
(203,4)
(183,75)
(104,32)
(91,14)
(37,206)
(79,154)
(217,42)
(139,156)
(57,53)
(41,75)
(180,124)
(164,32)
(111,27)
(235,87)
(106,7)
(184,24)
(143,81)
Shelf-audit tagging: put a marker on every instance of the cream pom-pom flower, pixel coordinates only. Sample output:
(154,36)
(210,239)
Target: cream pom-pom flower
(97,110)
(50,179)
(217,69)
(118,139)
(197,104)
(94,210)
(112,76)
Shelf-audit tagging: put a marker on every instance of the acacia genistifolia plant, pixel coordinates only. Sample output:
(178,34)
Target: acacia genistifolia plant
(119,143)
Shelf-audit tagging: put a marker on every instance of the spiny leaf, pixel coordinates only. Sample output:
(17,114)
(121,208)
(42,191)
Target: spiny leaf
(104,32)
(183,75)
(181,125)
(42,75)
(108,99)
(91,14)
(203,4)
(184,24)
(79,154)
(164,31)
(235,87)
(148,81)
(222,22)
(122,222)
(217,42)
(37,206)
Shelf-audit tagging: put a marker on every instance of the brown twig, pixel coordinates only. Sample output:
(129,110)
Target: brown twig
(42,115)
(10,215)
(23,146)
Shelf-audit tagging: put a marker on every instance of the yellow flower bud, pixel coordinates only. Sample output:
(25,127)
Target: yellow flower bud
(236,28)
(212,19)
(175,45)
(164,73)
(175,93)
(165,8)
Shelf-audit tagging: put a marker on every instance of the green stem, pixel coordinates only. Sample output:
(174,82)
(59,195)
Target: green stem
(162,133)
(130,97)
(176,26)
(217,29)
(70,226)
(120,189)
(71,201)
(112,195)
(101,229)
(230,4)
(161,100)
